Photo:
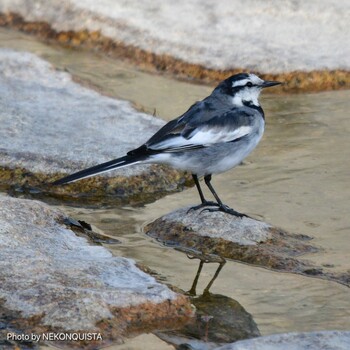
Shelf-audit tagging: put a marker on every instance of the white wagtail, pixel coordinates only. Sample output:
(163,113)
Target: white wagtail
(213,136)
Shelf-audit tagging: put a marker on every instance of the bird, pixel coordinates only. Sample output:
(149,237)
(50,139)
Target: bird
(211,137)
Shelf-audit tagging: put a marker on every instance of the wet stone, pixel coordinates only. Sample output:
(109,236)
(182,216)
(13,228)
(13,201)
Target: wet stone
(335,340)
(219,320)
(52,126)
(54,281)
(242,239)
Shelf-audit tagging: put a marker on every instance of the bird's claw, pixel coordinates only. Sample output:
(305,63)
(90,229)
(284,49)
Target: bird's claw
(202,205)
(227,210)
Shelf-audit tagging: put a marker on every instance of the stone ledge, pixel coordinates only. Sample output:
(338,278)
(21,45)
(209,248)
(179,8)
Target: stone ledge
(51,126)
(54,281)
(311,80)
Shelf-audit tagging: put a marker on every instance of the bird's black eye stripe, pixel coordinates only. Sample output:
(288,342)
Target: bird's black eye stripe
(249,84)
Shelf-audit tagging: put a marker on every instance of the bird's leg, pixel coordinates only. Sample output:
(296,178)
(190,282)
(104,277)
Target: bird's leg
(205,203)
(195,179)
(221,206)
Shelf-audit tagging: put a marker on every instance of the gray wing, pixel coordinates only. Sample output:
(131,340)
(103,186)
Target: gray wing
(202,126)
(176,126)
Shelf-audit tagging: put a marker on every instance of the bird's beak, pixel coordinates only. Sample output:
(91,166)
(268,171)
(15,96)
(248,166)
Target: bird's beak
(268,83)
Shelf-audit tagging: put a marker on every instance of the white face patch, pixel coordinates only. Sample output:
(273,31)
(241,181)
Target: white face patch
(242,82)
(254,79)
(249,94)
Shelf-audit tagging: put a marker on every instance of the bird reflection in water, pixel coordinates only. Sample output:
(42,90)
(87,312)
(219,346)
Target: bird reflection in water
(203,259)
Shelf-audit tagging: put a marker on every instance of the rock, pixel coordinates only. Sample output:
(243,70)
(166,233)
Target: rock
(54,281)
(52,126)
(243,239)
(219,319)
(306,39)
(325,340)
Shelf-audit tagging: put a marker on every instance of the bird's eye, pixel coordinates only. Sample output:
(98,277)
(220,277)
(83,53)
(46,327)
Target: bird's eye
(249,84)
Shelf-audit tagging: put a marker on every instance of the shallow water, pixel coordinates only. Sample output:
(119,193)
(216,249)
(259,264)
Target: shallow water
(297,178)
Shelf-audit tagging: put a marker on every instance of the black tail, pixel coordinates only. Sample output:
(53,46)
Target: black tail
(101,168)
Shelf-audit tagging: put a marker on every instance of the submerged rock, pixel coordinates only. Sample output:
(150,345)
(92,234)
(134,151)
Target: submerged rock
(335,340)
(51,126)
(219,319)
(54,281)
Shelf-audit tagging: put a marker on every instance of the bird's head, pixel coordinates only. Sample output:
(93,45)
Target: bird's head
(244,88)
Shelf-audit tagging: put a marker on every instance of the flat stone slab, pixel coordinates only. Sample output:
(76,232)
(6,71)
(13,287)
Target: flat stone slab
(55,281)
(268,37)
(326,340)
(243,239)
(52,126)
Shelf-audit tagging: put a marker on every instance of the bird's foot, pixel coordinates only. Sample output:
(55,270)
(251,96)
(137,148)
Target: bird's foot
(226,209)
(203,205)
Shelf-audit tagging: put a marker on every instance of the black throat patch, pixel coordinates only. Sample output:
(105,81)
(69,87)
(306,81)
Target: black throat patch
(250,104)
